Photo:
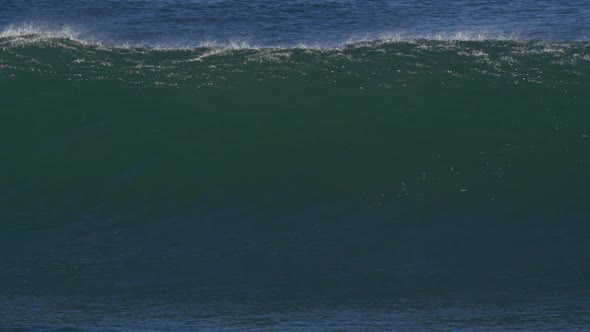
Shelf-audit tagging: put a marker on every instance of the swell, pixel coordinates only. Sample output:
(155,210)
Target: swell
(375,167)
(408,84)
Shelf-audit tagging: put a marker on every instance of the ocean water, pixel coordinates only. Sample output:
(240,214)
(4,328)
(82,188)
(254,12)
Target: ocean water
(294,165)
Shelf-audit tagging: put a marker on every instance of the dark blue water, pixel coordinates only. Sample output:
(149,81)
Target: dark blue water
(294,165)
(324,22)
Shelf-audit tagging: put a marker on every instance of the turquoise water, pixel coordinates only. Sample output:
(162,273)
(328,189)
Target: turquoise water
(434,182)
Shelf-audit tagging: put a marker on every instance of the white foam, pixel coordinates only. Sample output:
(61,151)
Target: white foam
(27,34)
(412,37)
(32,34)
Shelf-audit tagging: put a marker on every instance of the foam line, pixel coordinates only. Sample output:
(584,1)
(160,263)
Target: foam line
(31,34)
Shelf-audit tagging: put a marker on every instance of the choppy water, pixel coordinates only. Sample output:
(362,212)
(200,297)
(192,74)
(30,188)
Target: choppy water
(291,22)
(326,165)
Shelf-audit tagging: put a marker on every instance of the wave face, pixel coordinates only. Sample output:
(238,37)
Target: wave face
(405,183)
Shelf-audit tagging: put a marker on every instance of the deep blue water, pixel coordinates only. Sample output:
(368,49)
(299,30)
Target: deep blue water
(289,22)
(294,165)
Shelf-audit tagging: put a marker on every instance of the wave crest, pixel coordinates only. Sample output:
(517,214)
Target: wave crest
(33,34)
(28,34)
